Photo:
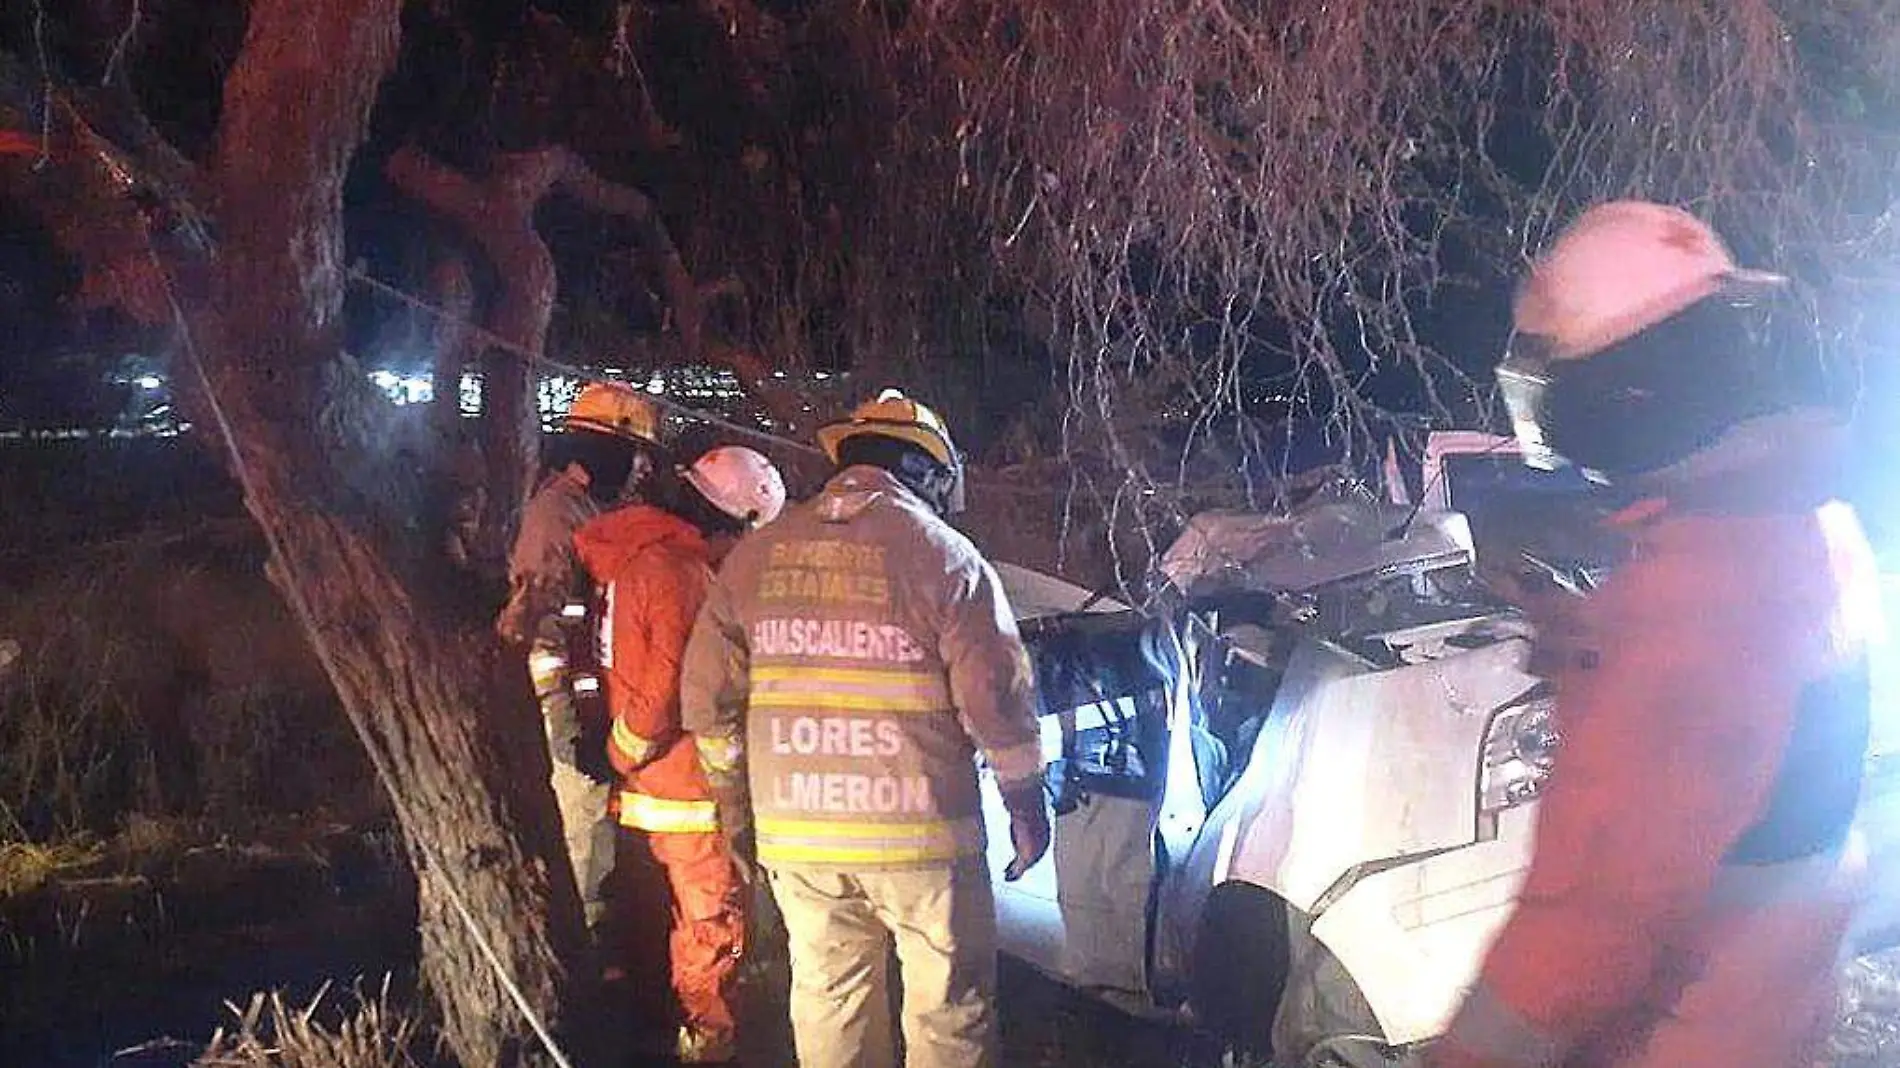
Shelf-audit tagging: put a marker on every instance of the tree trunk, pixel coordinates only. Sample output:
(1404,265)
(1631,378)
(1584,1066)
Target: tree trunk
(462,755)
(452,286)
(499,215)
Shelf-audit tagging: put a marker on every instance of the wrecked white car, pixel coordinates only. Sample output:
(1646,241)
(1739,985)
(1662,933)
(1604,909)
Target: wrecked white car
(1296,807)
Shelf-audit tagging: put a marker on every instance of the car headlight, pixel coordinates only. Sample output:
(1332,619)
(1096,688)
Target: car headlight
(1519,749)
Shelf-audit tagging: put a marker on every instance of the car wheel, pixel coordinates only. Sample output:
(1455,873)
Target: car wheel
(1240,959)
(1324,1019)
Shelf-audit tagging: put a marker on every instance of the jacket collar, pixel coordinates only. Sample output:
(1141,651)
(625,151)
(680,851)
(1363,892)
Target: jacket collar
(853,490)
(1786,461)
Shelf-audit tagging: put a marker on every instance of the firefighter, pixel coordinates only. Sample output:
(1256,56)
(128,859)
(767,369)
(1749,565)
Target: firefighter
(1696,867)
(609,440)
(653,562)
(851,664)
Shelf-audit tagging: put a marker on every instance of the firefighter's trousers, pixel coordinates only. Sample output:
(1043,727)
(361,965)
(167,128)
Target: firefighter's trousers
(708,932)
(1750,982)
(581,798)
(842,927)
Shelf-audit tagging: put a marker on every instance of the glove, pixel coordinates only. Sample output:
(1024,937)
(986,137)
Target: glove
(1028,827)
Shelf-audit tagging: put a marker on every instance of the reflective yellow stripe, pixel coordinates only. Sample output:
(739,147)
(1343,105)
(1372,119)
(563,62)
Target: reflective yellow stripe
(718,754)
(796,841)
(852,689)
(632,746)
(833,700)
(778,853)
(781,825)
(665,815)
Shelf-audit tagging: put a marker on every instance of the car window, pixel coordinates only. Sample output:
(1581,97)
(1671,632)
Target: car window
(1476,481)
(1556,515)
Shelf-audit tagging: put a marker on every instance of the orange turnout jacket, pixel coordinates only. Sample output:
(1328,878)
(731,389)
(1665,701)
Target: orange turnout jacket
(1695,870)
(653,569)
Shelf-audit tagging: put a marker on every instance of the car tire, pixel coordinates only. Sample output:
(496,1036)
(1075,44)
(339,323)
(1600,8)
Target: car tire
(1240,966)
(1323,1019)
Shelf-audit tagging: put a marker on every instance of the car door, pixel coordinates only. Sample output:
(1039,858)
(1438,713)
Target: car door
(1111,692)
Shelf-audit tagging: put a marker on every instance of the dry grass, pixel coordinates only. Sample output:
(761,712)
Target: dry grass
(157,676)
(26,866)
(269,1032)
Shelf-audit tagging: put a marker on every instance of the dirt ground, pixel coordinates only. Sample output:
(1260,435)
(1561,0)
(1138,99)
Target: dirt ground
(129,958)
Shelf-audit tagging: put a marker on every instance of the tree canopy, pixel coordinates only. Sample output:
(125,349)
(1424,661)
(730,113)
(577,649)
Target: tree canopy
(1165,241)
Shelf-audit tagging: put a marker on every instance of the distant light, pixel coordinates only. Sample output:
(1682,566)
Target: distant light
(149,382)
(404,389)
(821,375)
(468,396)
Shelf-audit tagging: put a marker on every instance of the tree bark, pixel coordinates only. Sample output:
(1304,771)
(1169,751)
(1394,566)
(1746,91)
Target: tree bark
(498,214)
(452,287)
(462,755)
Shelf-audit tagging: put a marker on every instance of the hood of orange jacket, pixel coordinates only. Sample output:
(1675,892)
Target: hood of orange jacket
(610,544)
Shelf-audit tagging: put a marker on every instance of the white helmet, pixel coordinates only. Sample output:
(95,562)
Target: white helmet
(739,482)
(1620,269)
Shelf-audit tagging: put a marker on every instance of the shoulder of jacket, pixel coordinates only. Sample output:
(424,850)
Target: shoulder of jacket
(559,502)
(958,550)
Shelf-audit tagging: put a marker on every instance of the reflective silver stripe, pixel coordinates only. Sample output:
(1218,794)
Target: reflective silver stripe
(547,669)
(1741,886)
(664,815)
(1498,1033)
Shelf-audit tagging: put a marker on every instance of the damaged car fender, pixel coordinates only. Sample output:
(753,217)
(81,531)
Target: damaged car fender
(1372,804)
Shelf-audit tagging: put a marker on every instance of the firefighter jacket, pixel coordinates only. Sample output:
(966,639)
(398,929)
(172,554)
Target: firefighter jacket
(544,579)
(543,572)
(652,569)
(855,657)
(1713,702)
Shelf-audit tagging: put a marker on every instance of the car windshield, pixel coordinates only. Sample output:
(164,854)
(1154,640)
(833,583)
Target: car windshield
(1513,507)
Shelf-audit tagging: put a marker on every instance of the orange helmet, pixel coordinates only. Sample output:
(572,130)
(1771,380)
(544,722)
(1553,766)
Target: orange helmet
(616,410)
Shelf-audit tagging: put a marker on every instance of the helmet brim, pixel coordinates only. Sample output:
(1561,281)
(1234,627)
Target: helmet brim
(595,426)
(832,436)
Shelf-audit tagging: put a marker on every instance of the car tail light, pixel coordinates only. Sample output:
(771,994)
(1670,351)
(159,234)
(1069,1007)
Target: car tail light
(1519,749)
